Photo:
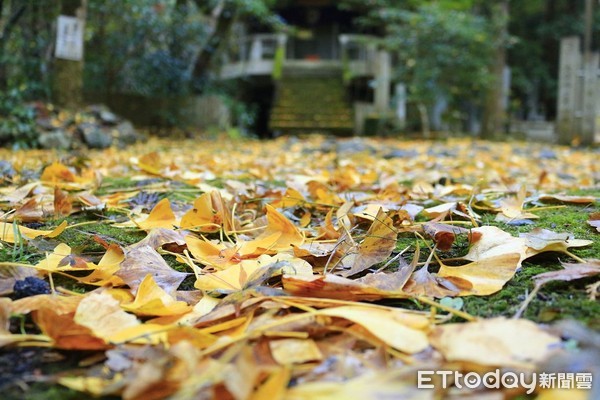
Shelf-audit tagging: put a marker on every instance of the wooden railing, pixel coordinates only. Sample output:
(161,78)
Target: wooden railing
(265,54)
(260,54)
(358,55)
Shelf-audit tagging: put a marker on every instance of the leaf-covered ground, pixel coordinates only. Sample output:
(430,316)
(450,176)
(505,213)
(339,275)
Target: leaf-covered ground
(296,268)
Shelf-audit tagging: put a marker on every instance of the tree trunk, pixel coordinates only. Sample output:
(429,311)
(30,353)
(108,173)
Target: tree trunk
(494,114)
(68,74)
(210,51)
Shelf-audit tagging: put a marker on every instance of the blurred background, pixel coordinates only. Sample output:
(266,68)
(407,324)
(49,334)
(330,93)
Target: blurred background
(494,69)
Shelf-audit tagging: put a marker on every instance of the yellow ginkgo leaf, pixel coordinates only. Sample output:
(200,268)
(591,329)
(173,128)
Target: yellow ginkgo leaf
(377,246)
(294,351)
(291,198)
(279,235)
(104,273)
(207,215)
(215,255)
(102,314)
(274,386)
(7,232)
(403,331)
(57,172)
(152,300)
(59,175)
(150,163)
(93,385)
(485,276)
(497,342)
(237,276)
(161,216)
(61,259)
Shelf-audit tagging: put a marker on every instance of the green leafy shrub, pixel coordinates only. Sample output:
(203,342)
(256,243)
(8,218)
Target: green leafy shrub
(17,121)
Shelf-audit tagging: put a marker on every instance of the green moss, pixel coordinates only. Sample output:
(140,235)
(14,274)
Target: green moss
(560,300)
(47,391)
(557,300)
(111,184)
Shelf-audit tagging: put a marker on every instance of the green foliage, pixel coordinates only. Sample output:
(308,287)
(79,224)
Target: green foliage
(26,50)
(442,51)
(537,27)
(142,47)
(278,62)
(17,121)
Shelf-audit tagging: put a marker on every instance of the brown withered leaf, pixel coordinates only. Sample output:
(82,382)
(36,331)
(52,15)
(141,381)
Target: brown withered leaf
(8,338)
(336,287)
(443,235)
(17,195)
(424,283)
(594,220)
(30,211)
(64,331)
(63,204)
(379,242)
(159,237)
(570,272)
(143,260)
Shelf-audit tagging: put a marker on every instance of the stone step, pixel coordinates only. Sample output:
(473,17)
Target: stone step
(311,116)
(310,125)
(344,121)
(328,108)
(310,99)
(311,71)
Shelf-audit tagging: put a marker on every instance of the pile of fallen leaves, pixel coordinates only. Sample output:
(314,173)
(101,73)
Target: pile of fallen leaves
(283,262)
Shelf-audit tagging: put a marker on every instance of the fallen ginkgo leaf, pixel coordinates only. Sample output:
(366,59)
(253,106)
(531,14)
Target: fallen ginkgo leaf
(400,330)
(8,232)
(151,300)
(294,351)
(496,342)
(237,276)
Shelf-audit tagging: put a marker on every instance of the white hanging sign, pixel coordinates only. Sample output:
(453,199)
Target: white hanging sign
(69,38)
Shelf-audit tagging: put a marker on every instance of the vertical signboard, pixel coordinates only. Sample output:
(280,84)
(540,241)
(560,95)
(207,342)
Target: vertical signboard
(69,38)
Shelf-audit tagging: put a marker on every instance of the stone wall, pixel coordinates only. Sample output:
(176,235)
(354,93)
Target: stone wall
(199,112)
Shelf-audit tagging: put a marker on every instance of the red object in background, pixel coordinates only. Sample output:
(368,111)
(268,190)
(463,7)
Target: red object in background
(312,57)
